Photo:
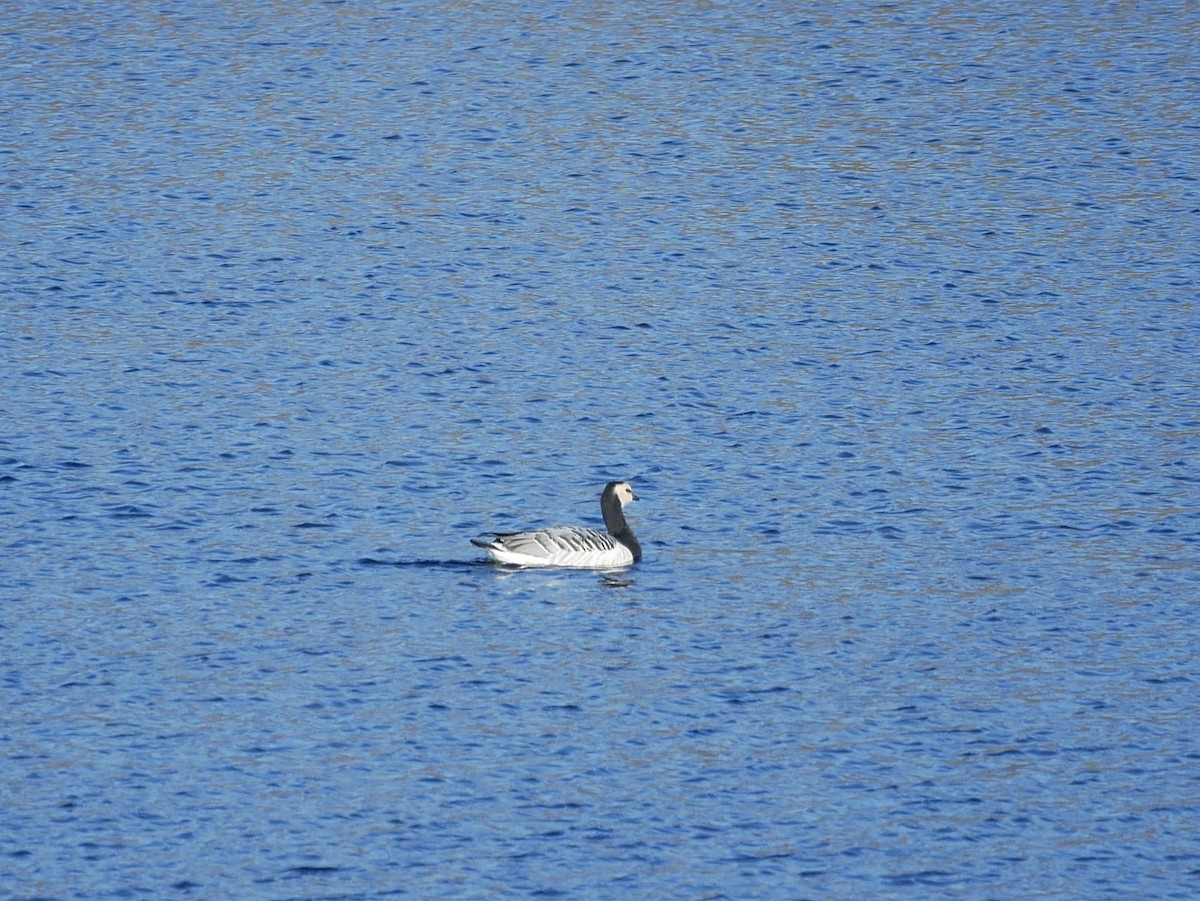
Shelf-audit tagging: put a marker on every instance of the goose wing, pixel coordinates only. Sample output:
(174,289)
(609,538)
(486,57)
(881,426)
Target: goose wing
(558,546)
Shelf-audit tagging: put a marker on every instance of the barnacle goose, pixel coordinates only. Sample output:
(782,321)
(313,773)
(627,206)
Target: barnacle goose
(573,546)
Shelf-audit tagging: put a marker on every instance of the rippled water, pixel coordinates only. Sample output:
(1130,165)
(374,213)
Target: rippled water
(889,313)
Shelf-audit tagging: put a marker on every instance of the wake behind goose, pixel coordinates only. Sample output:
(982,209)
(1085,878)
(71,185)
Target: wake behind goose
(573,546)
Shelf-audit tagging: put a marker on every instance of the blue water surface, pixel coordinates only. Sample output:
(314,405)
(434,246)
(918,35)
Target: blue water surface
(889,312)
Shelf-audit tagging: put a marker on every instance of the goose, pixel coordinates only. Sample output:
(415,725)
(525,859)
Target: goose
(573,546)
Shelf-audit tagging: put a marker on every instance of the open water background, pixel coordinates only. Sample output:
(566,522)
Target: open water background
(890,312)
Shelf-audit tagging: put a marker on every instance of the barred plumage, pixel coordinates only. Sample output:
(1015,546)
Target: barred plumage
(573,546)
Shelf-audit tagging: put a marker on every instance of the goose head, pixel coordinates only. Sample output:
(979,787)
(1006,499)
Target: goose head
(621,492)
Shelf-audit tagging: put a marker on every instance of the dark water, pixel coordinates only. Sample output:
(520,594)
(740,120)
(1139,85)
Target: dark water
(890,313)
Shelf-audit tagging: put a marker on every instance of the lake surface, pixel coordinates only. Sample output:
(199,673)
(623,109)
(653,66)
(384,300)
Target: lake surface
(890,313)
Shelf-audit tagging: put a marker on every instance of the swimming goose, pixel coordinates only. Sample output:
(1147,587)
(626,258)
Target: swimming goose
(573,546)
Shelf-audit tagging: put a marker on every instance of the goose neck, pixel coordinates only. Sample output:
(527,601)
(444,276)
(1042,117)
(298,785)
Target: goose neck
(618,528)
